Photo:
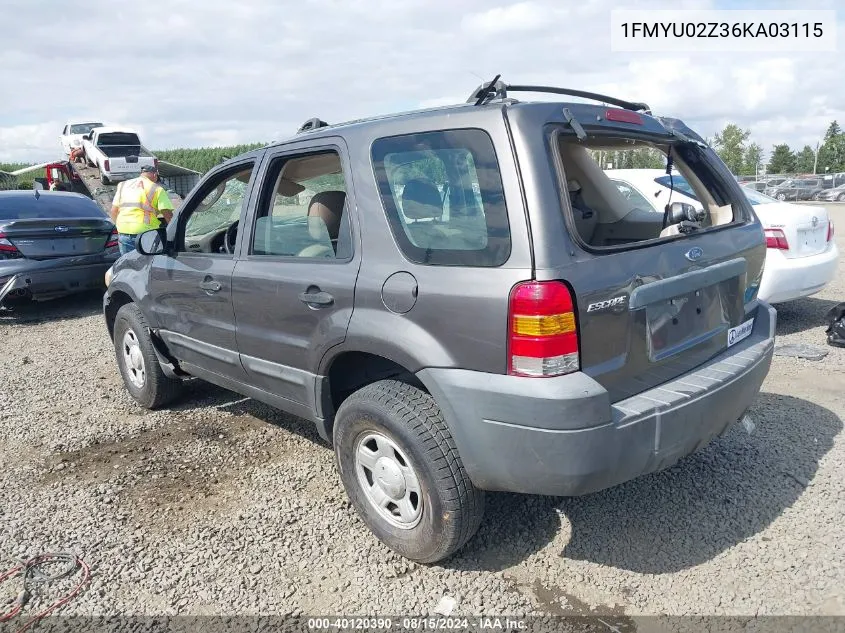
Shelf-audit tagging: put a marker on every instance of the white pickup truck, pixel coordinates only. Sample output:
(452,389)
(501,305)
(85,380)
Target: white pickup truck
(116,152)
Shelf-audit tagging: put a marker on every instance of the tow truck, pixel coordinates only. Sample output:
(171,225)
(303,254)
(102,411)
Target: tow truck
(86,180)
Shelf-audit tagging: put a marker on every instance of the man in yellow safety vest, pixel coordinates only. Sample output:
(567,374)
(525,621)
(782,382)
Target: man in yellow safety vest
(137,205)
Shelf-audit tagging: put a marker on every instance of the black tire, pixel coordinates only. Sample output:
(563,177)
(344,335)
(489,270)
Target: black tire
(452,508)
(840,197)
(157,389)
(105,179)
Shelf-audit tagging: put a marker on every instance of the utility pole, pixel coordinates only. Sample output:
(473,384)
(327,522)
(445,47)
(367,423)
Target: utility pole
(816,160)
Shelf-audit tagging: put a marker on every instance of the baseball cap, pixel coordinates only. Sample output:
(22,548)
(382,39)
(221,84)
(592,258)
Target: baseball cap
(149,169)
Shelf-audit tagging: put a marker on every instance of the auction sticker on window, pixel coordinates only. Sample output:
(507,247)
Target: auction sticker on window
(741,331)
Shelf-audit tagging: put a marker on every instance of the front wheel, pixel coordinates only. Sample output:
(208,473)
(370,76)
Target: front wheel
(401,470)
(137,360)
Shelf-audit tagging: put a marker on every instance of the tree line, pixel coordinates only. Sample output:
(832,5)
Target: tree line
(733,144)
(746,158)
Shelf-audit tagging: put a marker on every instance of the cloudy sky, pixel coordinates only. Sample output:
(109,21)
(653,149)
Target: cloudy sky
(191,73)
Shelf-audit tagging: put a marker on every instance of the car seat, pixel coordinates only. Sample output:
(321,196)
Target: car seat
(423,207)
(324,217)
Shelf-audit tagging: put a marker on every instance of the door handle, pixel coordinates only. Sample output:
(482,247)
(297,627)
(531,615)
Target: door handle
(316,298)
(209,285)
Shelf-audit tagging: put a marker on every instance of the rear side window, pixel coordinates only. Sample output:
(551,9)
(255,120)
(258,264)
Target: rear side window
(442,192)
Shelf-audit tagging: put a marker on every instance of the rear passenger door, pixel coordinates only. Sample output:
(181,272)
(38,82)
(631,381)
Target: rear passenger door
(294,281)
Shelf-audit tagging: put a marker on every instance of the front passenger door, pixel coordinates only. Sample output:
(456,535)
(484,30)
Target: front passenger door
(191,289)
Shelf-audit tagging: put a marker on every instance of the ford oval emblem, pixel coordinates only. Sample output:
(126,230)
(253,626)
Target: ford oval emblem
(694,253)
(62,229)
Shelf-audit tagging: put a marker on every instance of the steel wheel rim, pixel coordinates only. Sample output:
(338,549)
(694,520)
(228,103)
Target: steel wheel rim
(133,359)
(388,480)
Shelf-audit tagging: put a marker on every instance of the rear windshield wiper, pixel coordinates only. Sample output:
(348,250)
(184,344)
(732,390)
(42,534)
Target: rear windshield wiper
(574,124)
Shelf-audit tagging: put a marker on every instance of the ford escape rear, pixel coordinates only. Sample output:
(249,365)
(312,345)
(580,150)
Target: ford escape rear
(461,300)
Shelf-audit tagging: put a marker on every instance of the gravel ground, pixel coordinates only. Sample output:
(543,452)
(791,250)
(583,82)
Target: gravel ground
(222,505)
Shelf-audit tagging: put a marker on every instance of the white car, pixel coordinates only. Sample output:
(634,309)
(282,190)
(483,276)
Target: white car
(801,258)
(73,132)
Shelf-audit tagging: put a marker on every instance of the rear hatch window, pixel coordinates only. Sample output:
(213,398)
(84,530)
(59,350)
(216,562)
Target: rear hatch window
(49,205)
(667,276)
(610,206)
(118,138)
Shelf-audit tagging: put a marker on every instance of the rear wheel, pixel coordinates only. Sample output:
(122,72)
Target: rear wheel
(402,472)
(137,360)
(105,179)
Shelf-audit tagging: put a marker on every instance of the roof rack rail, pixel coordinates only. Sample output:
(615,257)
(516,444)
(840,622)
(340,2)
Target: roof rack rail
(496,89)
(311,124)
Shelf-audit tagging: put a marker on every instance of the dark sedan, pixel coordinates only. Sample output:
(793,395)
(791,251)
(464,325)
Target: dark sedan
(834,194)
(53,244)
(795,189)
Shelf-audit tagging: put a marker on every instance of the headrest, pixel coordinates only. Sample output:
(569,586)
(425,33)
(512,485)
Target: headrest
(573,185)
(328,206)
(421,200)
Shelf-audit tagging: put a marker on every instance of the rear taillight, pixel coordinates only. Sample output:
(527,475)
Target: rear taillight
(830,230)
(106,165)
(6,246)
(542,331)
(112,241)
(776,239)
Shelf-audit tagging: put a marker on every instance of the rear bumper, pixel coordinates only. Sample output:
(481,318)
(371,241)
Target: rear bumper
(44,280)
(562,436)
(789,279)
(123,176)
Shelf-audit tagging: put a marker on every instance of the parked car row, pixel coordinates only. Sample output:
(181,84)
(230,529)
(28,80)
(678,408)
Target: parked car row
(801,255)
(795,189)
(828,187)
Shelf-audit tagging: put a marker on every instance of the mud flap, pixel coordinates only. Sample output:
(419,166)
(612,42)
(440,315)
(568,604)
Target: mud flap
(836,325)
(169,365)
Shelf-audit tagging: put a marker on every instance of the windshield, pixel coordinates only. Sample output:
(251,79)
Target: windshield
(633,196)
(84,128)
(755,197)
(677,183)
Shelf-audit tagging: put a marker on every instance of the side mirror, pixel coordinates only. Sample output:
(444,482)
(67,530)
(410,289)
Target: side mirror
(152,242)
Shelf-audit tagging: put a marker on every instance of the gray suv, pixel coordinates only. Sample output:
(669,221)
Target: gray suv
(461,301)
